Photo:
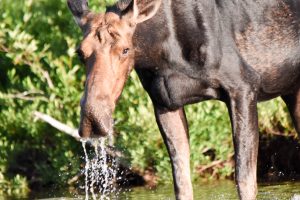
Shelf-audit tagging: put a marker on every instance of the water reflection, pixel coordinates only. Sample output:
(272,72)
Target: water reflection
(209,190)
(217,190)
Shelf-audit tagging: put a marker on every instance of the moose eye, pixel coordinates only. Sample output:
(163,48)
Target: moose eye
(125,51)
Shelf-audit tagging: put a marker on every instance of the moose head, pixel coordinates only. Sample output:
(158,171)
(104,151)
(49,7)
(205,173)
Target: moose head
(108,55)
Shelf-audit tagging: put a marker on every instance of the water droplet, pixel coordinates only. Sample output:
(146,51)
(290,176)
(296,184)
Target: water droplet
(100,170)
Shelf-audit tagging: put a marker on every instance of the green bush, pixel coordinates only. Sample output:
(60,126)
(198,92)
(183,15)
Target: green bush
(39,72)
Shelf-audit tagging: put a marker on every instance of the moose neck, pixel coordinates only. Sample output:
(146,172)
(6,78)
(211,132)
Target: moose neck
(177,36)
(177,49)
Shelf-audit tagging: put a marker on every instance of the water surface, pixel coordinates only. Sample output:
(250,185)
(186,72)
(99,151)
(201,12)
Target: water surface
(217,190)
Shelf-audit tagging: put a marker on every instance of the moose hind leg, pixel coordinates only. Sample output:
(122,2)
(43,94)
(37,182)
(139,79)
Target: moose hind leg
(292,101)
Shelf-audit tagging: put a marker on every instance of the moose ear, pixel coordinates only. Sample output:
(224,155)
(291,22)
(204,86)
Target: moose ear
(140,12)
(80,10)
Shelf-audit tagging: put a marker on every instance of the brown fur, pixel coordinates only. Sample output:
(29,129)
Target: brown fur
(265,45)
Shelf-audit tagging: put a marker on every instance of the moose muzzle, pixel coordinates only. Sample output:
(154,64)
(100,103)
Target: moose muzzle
(96,120)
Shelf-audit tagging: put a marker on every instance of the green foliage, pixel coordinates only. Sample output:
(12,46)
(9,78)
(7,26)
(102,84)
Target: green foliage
(17,187)
(39,72)
(274,118)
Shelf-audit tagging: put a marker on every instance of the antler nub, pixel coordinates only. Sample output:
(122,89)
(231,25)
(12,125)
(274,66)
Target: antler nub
(78,7)
(123,4)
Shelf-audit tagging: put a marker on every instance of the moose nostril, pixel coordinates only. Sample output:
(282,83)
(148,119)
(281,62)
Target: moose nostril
(96,129)
(85,128)
(102,127)
(97,119)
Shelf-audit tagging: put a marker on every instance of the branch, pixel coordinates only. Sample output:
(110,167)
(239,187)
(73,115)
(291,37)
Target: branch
(71,131)
(48,79)
(3,49)
(27,95)
(211,165)
(57,124)
(216,163)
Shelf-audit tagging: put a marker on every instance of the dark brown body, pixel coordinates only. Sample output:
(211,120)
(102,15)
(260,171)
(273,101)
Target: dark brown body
(185,55)
(236,51)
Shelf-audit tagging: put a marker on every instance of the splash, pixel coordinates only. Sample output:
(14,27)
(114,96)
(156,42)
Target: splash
(100,170)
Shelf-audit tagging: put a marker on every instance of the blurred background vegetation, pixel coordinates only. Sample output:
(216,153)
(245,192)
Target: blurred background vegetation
(40,72)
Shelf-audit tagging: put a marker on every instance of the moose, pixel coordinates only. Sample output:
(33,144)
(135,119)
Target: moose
(186,51)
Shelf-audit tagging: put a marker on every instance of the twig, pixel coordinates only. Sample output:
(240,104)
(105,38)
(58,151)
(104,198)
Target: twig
(74,179)
(43,72)
(57,124)
(215,163)
(211,165)
(3,49)
(24,96)
(71,131)
(48,79)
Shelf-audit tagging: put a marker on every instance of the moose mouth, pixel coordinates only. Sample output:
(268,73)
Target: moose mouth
(95,124)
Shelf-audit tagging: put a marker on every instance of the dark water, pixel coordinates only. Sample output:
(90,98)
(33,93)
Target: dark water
(219,190)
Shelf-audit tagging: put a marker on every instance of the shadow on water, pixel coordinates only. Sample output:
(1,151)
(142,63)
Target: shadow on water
(218,190)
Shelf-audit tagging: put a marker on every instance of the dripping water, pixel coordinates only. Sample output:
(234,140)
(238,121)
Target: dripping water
(100,170)
(86,169)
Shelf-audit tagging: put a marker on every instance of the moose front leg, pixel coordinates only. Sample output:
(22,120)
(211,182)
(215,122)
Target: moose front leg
(243,112)
(174,129)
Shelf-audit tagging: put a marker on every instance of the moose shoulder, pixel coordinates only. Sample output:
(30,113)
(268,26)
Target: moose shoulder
(236,51)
